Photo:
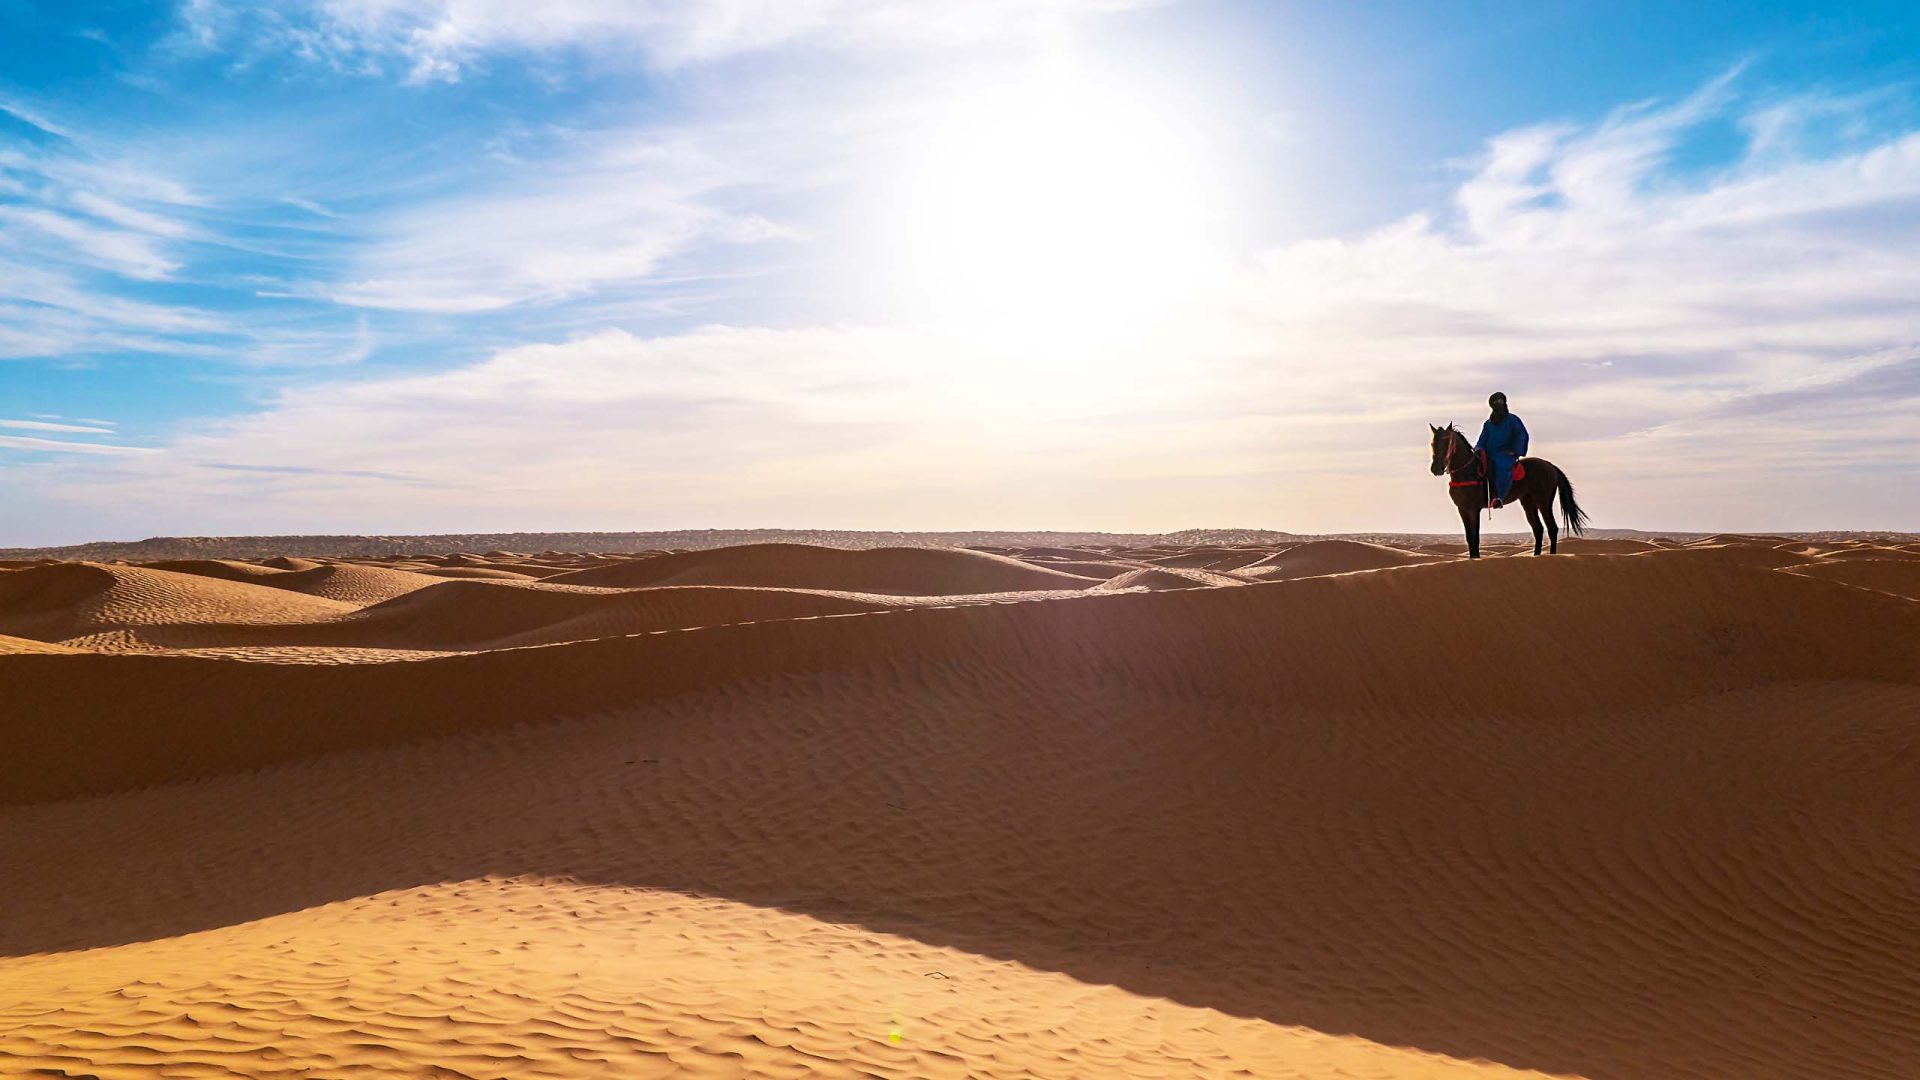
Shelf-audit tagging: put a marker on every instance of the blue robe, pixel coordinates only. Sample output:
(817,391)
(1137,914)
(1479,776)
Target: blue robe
(1505,442)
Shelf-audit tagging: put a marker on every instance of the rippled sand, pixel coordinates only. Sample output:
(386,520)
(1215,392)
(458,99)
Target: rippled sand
(1327,809)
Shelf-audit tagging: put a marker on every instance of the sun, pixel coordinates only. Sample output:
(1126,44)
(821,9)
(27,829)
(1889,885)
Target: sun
(1064,210)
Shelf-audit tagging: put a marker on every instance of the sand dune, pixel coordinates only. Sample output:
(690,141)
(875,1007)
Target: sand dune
(1216,558)
(490,573)
(28,645)
(896,571)
(1047,553)
(1758,556)
(80,600)
(357,585)
(1869,552)
(468,615)
(1252,640)
(1583,545)
(534,570)
(1167,577)
(225,569)
(1898,576)
(1733,539)
(1326,826)
(1100,570)
(1331,557)
(288,562)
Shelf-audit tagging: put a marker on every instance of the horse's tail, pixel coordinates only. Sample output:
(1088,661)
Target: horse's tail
(1576,517)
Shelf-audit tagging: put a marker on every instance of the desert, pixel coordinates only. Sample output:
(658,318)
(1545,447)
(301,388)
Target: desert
(1171,809)
(959,540)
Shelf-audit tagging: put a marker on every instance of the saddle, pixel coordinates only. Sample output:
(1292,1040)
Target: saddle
(1483,472)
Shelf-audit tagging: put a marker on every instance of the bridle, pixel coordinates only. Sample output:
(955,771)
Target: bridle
(1453,443)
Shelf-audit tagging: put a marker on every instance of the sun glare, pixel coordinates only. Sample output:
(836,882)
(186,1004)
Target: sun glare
(1062,211)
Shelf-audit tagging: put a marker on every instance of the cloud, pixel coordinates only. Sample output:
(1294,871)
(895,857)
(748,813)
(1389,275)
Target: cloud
(58,446)
(1729,345)
(79,229)
(1641,313)
(708,185)
(128,217)
(124,251)
(33,119)
(610,214)
(438,40)
(99,247)
(42,425)
(595,427)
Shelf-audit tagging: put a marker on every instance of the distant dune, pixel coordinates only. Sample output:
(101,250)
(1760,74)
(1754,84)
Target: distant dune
(1277,807)
(1332,557)
(895,571)
(462,545)
(1899,576)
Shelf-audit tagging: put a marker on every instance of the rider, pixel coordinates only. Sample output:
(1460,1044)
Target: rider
(1504,439)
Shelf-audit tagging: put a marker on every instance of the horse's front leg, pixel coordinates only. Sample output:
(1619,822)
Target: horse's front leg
(1470,520)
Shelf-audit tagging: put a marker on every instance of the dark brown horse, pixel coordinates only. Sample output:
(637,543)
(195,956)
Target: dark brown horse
(1453,455)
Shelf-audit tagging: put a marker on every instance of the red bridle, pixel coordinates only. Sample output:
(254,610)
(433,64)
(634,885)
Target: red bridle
(1453,440)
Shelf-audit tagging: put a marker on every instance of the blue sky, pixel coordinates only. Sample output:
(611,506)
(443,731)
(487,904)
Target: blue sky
(456,265)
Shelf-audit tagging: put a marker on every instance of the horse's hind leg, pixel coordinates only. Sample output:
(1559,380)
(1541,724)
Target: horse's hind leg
(1533,521)
(1553,531)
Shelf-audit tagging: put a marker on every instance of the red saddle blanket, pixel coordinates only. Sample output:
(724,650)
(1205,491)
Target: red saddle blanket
(1519,473)
(1486,467)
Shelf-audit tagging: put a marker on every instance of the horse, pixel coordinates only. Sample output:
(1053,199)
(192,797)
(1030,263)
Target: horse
(1453,456)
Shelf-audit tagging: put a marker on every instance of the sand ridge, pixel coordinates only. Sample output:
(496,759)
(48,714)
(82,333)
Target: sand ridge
(902,571)
(1320,826)
(1900,577)
(74,600)
(1331,557)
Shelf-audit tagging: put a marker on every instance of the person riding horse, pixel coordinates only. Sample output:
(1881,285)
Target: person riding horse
(1503,438)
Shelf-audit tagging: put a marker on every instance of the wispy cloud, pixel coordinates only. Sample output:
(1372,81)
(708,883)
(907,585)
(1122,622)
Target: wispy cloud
(121,250)
(33,118)
(59,446)
(605,215)
(1641,315)
(43,425)
(1640,312)
(102,253)
(1644,311)
(438,40)
(757,407)
(78,229)
(128,217)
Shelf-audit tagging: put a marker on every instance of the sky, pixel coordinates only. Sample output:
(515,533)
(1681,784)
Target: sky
(413,266)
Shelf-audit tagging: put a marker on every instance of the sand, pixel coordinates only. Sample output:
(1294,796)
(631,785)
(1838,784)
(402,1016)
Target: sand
(802,820)
(1899,576)
(898,571)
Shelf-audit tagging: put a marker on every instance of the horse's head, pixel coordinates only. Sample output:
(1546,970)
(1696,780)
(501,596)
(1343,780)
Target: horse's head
(1444,440)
